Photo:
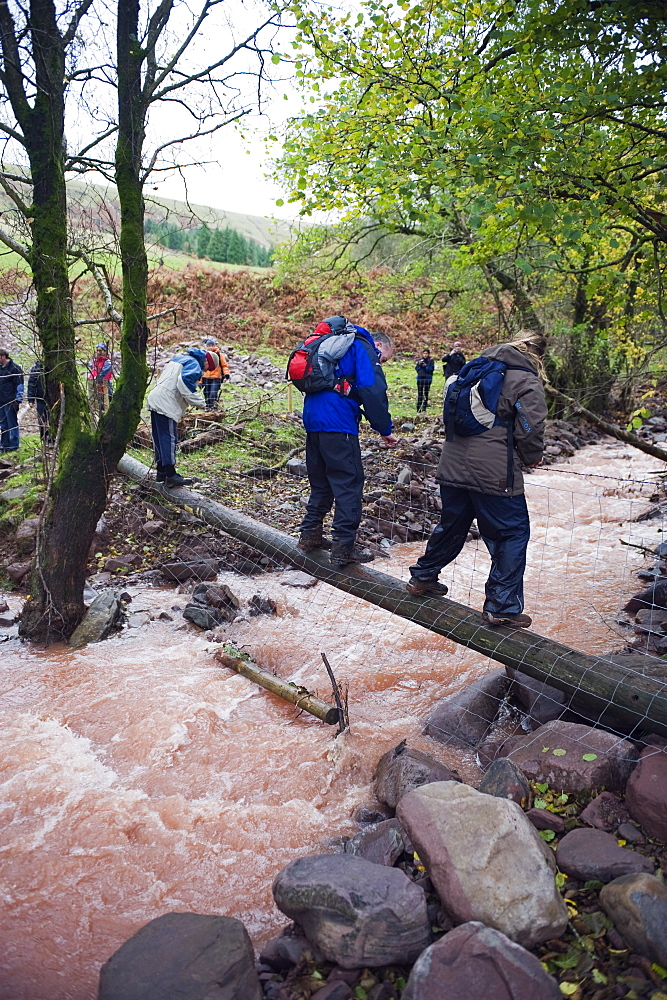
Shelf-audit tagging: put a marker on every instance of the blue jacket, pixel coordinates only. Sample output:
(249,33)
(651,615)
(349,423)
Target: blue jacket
(330,412)
(11,383)
(424,370)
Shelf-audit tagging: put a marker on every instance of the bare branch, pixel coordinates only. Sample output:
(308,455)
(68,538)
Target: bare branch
(112,312)
(14,195)
(79,13)
(14,245)
(12,75)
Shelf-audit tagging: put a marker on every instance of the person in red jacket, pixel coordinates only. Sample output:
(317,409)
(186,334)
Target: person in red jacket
(212,380)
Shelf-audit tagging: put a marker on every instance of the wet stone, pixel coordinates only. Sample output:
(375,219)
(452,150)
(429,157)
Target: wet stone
(646,792)
(638,906)
(542,819)
(588,854)
(605,812)
(466,718)
(98,620)
(506,781)
(382,844)
(401,769)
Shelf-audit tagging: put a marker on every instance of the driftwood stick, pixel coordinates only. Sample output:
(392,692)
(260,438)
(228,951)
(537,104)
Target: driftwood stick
(615,696)
(298,696)
(336,693)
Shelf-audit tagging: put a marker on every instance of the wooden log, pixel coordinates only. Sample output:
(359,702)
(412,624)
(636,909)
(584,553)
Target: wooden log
(298,696)
(611,695)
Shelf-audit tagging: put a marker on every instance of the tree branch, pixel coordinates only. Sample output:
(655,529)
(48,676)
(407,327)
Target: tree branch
(14,245)
(112,312)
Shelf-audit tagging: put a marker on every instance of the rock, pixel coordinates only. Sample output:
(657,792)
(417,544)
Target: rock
(655,596)
(16,571)
(466,717)
(16,493)
(613,760)
(152,528)
(486,860)
(539,700)
(404,476)
(121,564)
(295,578)
(216,597)
(285,951)
(333,991)
(407,427)
(506,781)
(3,607)
(401,769)
(474,961)
(637,904)
(382,844)
(183,956)
(593,854)
(650,620)
(180,570)
(369,814)
(296,467)
(138,619)
(542,819)
(355,913)
(260,605)
(206,618)
(605,812)
(98,620)
(630,833)
(26,535)
(646,792)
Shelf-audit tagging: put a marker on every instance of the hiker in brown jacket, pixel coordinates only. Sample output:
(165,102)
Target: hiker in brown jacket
(479,478)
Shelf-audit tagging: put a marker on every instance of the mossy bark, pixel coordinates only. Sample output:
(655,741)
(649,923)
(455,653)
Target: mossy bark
(87,456)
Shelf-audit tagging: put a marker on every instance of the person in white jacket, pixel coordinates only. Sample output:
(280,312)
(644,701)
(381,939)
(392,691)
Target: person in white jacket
(168,401)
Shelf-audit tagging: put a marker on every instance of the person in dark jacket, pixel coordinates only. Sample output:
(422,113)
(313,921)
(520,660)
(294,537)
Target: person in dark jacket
(11,396)
(477,481)
(424,368)
(453,362)
(333,455)
(37,398)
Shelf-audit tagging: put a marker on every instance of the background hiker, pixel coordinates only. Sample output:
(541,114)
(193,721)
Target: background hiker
(37,398)
(168,401)
(333,456)
(453,362)
(100,380)
(424,368)
(480,477)
(11,395)
(212,380)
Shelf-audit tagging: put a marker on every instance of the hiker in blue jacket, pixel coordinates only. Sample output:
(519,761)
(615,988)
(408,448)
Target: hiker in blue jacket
(333,455)
(11,396)
(424,368)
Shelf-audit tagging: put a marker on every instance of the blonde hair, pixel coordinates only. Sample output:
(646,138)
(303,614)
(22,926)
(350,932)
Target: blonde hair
(535,346)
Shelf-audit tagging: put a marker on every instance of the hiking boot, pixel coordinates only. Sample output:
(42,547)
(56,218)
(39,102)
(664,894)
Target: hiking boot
(160,477)
(343,553)
(514,621)
(176,480)
(311,540)
(420,587)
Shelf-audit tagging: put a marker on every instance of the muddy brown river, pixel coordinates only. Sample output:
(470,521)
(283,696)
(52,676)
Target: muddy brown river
(139,777)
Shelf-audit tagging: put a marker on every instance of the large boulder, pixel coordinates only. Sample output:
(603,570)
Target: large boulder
(593,854)
(26,535)
(646,792)
(540,701)
(98,620)
(466,717)
(574,758)
(478,961)
(353,912)
(403,768)
(638,906)
(486,860)
(183,956)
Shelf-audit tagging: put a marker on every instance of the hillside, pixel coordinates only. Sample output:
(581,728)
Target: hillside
(95,207)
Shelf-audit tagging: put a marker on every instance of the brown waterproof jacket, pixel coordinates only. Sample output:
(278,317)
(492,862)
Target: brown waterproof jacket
(480,462)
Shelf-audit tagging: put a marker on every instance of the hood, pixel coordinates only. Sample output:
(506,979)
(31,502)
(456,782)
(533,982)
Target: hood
(510,356)
(192,367)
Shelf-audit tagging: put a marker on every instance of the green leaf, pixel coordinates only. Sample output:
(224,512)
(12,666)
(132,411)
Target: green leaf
(275,58)
(590,756)
(524,265)
(547,835)
(559,753)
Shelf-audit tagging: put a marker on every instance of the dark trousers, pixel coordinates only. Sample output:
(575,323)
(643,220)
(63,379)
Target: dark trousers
(505,527)
(336,474)
(165,438)
(211,387)
(9,427)
(423,389)
(43,419)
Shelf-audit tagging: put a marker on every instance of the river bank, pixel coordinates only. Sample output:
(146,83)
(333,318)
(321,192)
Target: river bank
(140,778)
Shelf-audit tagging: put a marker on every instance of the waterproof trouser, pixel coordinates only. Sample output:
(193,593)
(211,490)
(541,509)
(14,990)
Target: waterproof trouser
(336,474)
(505,528)
(165,438)
(42,418)
(9,427)
(423,389)
(211,389)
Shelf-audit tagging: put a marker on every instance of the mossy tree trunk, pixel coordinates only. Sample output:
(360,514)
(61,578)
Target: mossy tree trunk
(88,455)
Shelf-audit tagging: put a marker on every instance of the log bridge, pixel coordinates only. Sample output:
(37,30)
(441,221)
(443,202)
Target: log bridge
(605,692)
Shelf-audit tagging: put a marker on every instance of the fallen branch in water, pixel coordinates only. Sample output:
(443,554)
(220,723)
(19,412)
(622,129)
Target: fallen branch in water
(298,696)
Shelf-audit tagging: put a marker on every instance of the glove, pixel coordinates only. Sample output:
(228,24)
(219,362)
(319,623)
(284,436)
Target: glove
(15,405)
(225,378)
